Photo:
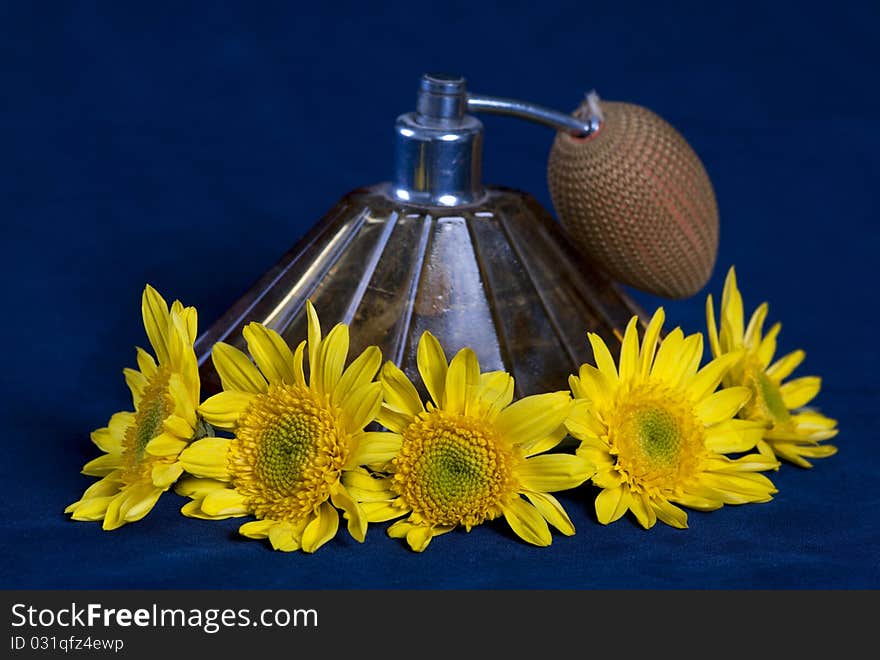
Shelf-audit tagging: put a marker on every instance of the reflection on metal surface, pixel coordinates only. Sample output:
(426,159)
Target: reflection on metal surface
(500,277)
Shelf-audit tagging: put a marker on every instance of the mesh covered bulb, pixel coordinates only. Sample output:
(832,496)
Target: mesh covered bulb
(637,201)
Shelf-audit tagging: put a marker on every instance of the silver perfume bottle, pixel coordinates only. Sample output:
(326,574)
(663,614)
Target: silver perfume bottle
(434,249)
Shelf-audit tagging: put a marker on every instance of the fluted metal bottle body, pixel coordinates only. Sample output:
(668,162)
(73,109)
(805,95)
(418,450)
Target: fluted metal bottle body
(501,277)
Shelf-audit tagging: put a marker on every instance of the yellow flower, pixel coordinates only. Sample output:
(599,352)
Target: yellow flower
(142,447)
(470,455)
(791,432)
(657,431)
(293,439)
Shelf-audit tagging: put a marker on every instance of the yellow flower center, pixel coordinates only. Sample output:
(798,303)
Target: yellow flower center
(657,438)
(153,409)
(766,403)
(454,470)
(288,452)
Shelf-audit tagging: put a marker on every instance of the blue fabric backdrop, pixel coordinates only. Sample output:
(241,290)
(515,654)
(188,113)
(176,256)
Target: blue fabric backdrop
(188,146)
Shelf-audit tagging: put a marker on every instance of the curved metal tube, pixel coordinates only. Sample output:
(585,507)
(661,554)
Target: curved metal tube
(532,112)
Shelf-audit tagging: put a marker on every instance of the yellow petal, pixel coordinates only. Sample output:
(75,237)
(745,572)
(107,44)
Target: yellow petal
(669,513)
(756,326)
(649,342)
(684,364)
(299,377)
(314,337)
(366,488)
(178,426)
(527,523)
(154,310)
(106,441)
(712,329)
(270,352)
(400,394)
(607,477)
(612,503)
(225,502)
(257,529)
(546,443)
(731,313)
(534,417)
(740,488)
(582,423)
(91,509)
(146,363)
(332,356)
(206,458)
(784,366)
(432,366)
(375,448)
(393,421)
(709,377)
(113,519)
(767,349)
(236,371)
(223,410)
(668,353)
(495,393)
(462,382)
(602,357)
(321,529)
(119,424)
(165,444)
(418,537)
(190,320)
(140,503)
(109,485)
(197,487)
(399,529)
(136,382)
(595,386)
(103,465)
(553,472)
(282,538)
(800,391)
(722,405)
(629,351)
(699,501)
(362,406)
(184,400)
(643,511)
(357,520)
(377,512)
(552,511)
(165,474)
(733,436)
(358,374)
(193,509)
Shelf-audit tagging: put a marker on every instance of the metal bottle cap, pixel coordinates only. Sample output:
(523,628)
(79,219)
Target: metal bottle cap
(438,148)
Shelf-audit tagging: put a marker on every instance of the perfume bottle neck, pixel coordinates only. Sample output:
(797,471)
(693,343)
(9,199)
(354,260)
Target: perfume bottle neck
(438,149)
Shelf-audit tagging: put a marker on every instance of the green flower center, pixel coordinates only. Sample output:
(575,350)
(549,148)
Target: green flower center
(766,403)
(287,453)
(656,436)
(154,407)
(453,470)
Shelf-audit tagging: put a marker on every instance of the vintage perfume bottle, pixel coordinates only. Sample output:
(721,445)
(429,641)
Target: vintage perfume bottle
(434,249)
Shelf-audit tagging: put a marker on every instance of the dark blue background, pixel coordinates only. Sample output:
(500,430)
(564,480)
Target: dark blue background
(190,145)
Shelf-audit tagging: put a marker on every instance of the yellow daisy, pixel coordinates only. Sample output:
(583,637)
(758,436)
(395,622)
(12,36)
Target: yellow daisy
(470,455)
(142,447)
(294,439)
(791,432)
(657,431)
